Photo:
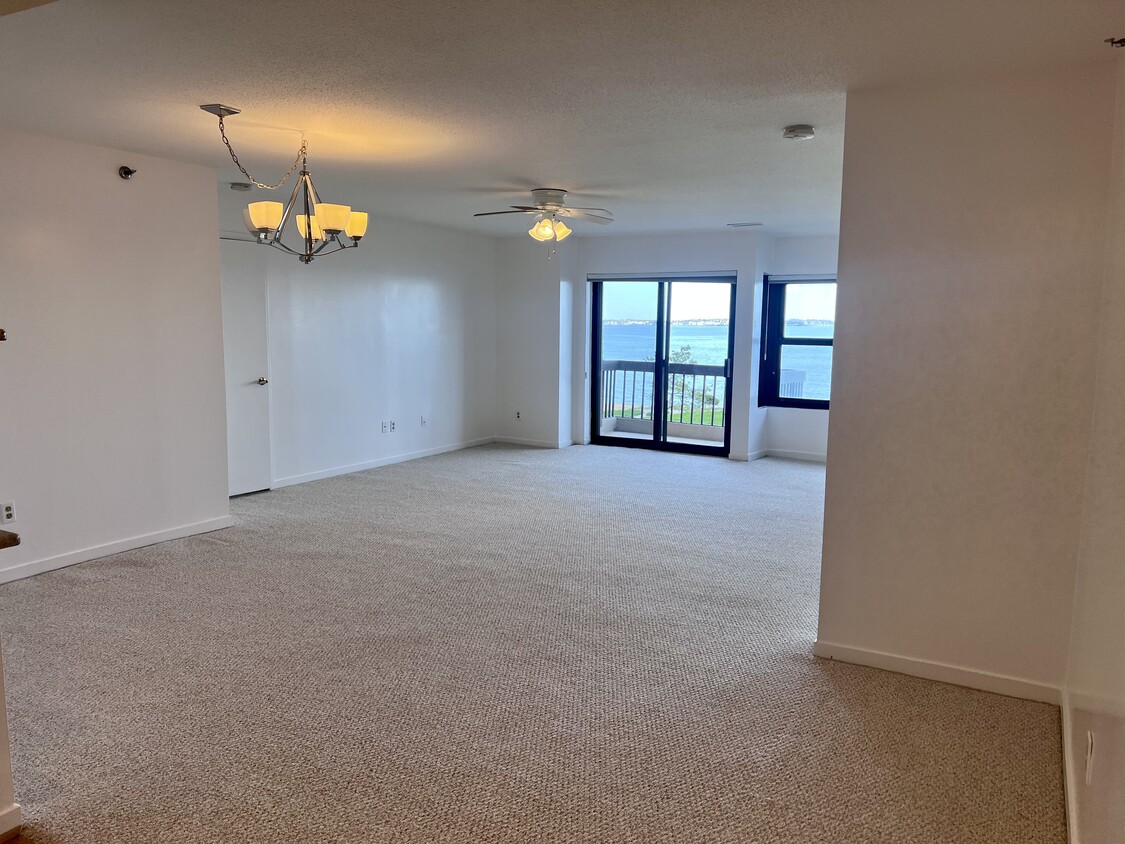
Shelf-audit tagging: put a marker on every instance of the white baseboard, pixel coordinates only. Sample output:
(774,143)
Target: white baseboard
(985,681)
(521,441)
(10,820)
(811,456)
(1070,782)
(22,570)
(292,480)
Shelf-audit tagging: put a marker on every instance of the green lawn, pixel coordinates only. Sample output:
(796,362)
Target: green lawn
(698,417)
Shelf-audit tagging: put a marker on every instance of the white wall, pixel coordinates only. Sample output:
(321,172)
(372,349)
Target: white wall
(1096,678)
(400,328)
(735,251)
(9,811)
(971,257)
(797,432)
(800,432)
(804,255)
(114,431)
(528,364)
(568,284)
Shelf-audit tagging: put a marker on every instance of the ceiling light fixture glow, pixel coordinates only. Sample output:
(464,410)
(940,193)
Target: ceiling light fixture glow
(320,224)
(303,227)
(549,227)
(357,225)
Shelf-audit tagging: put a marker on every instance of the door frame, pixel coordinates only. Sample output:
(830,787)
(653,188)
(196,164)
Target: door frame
(659,441)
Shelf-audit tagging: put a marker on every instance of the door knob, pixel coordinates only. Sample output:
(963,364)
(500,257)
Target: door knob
(263,380)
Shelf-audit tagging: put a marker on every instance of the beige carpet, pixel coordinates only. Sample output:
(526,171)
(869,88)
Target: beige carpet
(498,645)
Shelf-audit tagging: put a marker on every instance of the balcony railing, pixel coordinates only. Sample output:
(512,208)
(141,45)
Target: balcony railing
(792,384)
(696,392)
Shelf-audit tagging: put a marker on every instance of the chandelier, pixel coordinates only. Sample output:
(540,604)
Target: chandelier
(322,226)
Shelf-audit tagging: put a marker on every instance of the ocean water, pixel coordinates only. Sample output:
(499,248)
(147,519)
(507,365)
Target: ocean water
(811,366)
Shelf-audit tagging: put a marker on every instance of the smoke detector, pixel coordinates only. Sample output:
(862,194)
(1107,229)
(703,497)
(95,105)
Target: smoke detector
(799,132)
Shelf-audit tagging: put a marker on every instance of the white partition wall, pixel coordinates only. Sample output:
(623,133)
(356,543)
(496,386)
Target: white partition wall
(1095,691)
(9,812)
(970,274)
(528,318)
(112,375)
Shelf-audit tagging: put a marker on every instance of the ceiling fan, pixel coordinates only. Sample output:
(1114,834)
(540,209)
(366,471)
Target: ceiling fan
(550,207)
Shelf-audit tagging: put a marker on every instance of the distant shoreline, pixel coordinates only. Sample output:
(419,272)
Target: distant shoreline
(717,322)
(674,322)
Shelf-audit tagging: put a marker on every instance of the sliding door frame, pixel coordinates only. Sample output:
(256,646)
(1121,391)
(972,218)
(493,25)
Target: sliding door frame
(659,440)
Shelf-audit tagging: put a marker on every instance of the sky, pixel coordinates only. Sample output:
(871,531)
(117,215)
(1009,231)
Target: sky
(708,300)
(810,301)
(690,300)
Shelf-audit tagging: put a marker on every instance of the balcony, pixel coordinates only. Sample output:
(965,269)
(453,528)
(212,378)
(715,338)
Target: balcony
(696,400)
(792,384)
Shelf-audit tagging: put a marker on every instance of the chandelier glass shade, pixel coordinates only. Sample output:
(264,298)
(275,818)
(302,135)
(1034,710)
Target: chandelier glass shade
(324,227)
(549,227)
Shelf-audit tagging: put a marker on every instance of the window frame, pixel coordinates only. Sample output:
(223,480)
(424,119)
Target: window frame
(773,338)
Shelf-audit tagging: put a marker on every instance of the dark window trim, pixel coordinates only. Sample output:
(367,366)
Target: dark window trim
(658,443)
(773,338)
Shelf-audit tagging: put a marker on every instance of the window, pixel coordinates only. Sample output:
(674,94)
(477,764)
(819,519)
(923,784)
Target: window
(799,320)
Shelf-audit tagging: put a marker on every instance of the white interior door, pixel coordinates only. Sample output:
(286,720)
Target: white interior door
(246,344)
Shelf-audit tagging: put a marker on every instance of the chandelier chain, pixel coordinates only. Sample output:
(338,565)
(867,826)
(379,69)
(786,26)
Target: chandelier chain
(302,154)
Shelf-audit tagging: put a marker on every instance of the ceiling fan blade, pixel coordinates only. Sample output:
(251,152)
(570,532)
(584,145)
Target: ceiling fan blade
(583,215)
(602,210)
(528,208)
(494,213)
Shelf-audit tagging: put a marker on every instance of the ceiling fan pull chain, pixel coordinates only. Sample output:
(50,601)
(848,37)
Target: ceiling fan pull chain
(302,153)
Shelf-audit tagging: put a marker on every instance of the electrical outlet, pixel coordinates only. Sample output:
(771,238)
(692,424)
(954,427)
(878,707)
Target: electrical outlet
(7,512)
(392,426)
(384,426)
(423,421)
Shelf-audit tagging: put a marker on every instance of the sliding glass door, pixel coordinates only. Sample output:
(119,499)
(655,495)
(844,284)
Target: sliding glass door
(662,351)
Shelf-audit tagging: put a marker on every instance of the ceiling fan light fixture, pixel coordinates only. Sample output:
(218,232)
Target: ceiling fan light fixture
(542,230)
(548,209)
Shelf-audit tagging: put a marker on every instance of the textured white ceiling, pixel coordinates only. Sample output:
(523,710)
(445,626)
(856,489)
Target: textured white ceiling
(668,113)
